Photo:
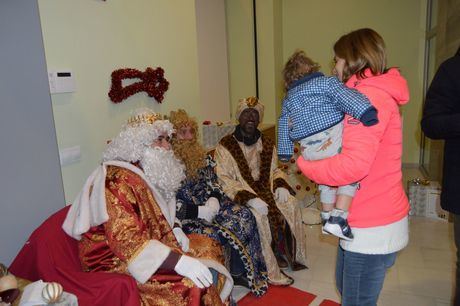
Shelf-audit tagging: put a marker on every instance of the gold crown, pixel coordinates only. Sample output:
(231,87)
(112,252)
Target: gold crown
(144,118)
(252,101)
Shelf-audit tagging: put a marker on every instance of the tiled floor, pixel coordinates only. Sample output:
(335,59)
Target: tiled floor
(423,274)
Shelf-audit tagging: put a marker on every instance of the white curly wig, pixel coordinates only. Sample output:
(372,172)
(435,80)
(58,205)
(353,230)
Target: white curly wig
(136,136)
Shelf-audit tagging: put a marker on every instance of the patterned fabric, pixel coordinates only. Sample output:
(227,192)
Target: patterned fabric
(315,104)
(234,225)
(134,219)
(237,181)
(278,225)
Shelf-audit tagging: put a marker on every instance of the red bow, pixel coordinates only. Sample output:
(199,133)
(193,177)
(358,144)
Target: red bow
(152,82)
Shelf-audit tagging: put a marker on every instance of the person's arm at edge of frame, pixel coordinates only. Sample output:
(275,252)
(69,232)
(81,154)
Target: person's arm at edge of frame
(439,119)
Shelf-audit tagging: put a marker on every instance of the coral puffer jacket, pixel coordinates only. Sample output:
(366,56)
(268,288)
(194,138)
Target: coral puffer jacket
(370,155)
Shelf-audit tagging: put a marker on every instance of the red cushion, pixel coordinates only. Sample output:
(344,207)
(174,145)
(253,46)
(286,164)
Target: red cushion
(51,255)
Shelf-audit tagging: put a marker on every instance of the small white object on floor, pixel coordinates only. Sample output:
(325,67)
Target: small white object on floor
(32,295)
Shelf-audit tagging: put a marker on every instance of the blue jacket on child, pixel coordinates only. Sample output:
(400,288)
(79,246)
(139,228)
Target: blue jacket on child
(315,103)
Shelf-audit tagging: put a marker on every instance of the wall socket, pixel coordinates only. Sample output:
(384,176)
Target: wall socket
(70,155)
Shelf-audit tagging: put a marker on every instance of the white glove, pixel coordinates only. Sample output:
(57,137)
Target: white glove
(260,206)
(281,194)
(209,210)
(181,238)
(194,270)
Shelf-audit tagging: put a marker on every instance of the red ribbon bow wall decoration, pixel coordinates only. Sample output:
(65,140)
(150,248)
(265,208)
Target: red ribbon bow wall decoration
(152,82)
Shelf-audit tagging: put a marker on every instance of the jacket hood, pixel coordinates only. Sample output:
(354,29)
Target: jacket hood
(391,82)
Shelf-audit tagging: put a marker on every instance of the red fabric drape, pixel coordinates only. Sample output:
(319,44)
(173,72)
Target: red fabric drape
(51,255)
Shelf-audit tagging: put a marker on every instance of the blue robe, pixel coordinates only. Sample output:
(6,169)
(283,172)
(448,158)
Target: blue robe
(234,226)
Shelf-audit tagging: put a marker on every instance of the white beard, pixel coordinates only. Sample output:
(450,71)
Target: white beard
(163,170)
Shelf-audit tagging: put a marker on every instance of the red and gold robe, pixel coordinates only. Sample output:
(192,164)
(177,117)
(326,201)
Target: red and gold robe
(136,224)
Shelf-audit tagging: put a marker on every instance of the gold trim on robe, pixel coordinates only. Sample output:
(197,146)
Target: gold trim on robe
(135,219)
(238,182)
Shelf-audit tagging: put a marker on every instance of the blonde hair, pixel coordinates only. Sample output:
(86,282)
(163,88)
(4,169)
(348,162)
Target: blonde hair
(180,119)
(191,152)
(361,49)
(298,66)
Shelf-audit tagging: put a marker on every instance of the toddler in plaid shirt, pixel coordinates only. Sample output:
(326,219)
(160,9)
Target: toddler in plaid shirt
(312,114)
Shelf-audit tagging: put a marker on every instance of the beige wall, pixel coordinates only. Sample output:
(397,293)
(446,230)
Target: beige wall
(240,38)
(93,38)
(240,31)
(212,59)
(315,25)
(270,52)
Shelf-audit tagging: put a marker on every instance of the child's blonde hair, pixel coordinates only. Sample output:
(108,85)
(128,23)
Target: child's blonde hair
(298,66)
(361,49)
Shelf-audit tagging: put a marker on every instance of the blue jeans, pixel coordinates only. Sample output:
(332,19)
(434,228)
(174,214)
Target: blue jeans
(359,277)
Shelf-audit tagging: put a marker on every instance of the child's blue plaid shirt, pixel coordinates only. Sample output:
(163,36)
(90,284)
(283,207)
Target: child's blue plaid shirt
(314,104)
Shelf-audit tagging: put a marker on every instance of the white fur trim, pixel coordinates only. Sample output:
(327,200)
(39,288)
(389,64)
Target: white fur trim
(88,208)
(91,209)
(384,239)
(147,262)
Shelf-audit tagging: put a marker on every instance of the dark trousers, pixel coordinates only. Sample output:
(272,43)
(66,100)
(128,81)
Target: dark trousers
(236,264)
(457,244)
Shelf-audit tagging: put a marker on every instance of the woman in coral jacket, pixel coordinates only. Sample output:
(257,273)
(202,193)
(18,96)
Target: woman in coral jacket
(372,156)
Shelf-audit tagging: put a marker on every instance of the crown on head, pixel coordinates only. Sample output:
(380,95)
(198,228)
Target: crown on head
(144,118)
(252,101)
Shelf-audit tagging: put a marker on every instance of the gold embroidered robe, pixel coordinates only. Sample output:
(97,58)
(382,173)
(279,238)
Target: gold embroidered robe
(236,176)
(135,223)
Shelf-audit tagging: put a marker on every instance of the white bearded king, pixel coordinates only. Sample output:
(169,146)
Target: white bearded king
(133,211)
(160,166)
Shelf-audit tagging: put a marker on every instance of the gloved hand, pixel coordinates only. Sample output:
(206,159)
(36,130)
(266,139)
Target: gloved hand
(181,238)
(209,210)
(193,269)
(281,194)
(260,206)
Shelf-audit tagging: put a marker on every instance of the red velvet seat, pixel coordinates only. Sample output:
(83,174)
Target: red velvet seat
(51,255)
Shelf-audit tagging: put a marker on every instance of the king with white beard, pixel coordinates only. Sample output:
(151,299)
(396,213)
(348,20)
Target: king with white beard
(128,204)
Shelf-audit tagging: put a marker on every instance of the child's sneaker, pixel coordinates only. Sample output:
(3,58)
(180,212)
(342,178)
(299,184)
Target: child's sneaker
(339,227)
(325,215)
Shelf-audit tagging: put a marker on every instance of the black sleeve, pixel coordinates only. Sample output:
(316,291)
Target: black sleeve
(186,211)
(441,114)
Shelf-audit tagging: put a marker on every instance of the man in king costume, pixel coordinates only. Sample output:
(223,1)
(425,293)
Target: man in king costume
(203,208)
(124,219)
(247,167)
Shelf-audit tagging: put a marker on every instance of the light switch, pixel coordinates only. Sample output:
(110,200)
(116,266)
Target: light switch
(61,81)
(70,155)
